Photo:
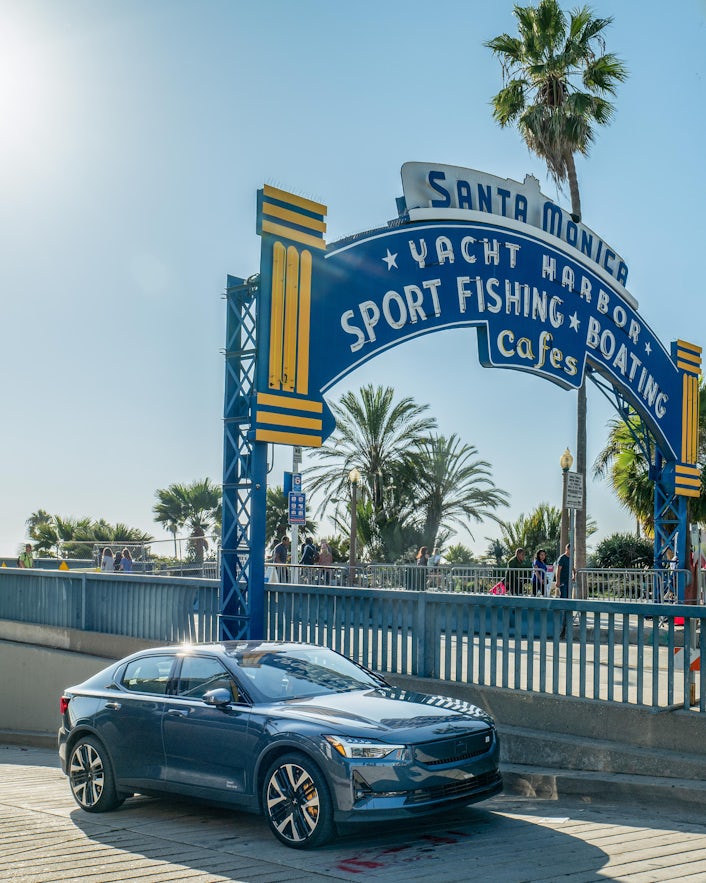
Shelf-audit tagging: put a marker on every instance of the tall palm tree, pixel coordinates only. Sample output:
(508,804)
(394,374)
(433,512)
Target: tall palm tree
(453,487)
(376,435)
(557,80)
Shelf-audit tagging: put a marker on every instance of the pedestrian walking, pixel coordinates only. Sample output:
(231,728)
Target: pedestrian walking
(107,561)
(563,574)
(539,573)
(25,559)
(513,579)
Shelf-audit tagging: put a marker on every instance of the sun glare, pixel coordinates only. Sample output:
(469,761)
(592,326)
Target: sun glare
(25,89)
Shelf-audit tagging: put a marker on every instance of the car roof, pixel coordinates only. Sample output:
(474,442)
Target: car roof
(228,648)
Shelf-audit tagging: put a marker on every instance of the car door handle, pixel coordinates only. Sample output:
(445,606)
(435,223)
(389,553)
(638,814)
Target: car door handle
(114,705)
(177,712)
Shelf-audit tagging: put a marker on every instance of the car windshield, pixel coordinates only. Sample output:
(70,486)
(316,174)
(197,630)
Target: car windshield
(301,672)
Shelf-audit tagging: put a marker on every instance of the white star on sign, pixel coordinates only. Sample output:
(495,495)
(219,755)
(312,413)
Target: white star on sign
(648,348)
(574,322)
(391,260)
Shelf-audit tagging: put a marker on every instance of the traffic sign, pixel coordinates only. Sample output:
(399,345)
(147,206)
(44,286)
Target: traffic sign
(574,490)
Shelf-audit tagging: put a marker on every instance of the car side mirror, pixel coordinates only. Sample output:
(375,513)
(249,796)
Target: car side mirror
(218,697)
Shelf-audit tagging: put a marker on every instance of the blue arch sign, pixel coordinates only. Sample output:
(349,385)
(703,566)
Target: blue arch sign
(546,295)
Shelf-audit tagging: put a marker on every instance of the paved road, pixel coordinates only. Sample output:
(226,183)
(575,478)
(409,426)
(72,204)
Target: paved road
(44,837)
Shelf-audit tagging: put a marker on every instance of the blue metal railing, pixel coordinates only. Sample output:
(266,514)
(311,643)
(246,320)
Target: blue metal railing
(147,607)
(619,651)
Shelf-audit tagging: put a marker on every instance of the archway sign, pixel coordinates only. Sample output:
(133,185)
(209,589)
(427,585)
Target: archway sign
(546,296)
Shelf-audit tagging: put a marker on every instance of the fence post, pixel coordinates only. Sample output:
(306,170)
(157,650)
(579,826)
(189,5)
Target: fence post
(83,602)
(423,658)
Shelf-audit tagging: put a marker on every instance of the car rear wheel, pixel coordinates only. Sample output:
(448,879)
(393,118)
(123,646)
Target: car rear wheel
(297,802)
(91,777)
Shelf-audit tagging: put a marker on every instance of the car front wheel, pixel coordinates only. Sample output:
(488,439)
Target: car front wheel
(91,777)
(297,802)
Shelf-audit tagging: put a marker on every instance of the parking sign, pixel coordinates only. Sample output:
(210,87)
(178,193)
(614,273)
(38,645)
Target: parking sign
(297,508)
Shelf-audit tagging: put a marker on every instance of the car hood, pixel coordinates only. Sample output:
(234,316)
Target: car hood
(390,713)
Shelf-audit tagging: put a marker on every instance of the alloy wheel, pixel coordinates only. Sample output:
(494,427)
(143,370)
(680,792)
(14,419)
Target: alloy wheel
(293,803)
(86,775)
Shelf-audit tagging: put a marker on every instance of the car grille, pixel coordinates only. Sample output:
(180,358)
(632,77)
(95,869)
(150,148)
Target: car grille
(454,750)
(454,789)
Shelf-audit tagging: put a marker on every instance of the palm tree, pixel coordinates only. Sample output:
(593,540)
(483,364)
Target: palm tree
(378,436)
(201,507)
(71,537)
(46,538)
(623,461)
(496,550)
(452,487)
(41,516)
(626,460)
(169,510)
(557,81)
(539,529)
(194,505)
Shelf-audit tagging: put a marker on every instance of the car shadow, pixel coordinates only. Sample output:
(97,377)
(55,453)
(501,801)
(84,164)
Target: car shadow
(508,840)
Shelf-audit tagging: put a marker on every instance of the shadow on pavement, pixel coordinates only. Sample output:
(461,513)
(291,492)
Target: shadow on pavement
(489,843)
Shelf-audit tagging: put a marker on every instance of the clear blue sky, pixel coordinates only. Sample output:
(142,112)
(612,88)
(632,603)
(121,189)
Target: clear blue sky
(133,138)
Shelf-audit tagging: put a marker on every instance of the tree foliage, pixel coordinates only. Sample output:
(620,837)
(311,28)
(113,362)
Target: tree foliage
(415,485)
(68,537)
(623,550)
(626,461)
(453,487)
(457,555)
(539,529)
(557,84)
(195,506)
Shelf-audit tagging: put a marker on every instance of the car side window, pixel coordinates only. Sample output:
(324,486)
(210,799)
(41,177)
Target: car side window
(199,674)
(149,674)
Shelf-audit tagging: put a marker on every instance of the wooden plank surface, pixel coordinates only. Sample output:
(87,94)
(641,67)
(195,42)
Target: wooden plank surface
(44,837)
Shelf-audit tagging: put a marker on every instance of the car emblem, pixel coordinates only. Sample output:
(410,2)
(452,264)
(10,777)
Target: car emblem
(460,747)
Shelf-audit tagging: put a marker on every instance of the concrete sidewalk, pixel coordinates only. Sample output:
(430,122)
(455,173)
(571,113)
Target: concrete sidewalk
(44,837)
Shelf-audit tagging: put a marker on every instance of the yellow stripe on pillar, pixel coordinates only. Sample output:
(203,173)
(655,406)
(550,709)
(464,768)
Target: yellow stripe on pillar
(277,316)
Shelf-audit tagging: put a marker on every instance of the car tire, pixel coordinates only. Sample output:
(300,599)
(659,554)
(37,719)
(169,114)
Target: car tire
(297,802)
(91,777)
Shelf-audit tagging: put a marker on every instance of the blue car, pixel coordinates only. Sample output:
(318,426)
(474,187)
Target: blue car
(297,732)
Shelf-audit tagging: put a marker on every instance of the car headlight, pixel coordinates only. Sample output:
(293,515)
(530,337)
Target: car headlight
(362,749)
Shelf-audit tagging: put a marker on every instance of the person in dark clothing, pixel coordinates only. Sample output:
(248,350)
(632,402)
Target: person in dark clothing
(309,553)
(279,557)
(563,573)
(513,579)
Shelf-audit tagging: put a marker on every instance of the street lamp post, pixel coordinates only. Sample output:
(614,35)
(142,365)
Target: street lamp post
(353,478)
(565,461)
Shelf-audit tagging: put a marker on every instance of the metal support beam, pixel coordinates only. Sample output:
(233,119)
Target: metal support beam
(244,472)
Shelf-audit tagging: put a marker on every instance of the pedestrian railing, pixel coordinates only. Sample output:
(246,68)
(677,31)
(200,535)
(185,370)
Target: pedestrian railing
(607,584)
(148,607)
(618,651)
(618,646)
